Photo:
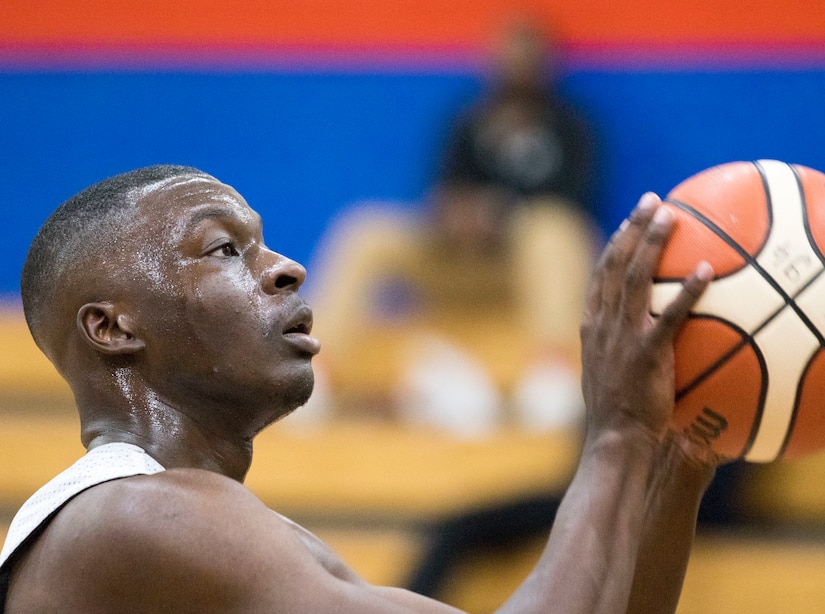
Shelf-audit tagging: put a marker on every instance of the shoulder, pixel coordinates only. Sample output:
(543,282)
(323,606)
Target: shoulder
(154,503)
(201,511)
(188,541)
(196,509)
(152,541)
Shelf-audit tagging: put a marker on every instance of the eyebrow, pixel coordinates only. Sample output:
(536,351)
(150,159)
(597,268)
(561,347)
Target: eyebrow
(214,213)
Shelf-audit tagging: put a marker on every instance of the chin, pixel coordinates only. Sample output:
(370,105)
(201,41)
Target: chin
(299,397)
(293,395)
(281,397)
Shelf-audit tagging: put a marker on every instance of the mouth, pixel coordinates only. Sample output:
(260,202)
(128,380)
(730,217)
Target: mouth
(301,328)
(300,323)
(297,332)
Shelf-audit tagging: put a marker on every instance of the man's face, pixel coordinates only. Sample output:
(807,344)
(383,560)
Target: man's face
(223,323)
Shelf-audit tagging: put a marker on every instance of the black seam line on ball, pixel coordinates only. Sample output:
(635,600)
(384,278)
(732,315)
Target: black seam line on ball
(751,260)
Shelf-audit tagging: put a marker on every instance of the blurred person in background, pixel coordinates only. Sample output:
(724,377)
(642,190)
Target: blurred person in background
(521,137)
(467,308)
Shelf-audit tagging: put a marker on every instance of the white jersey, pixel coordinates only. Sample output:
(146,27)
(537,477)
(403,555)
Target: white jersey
(107,462)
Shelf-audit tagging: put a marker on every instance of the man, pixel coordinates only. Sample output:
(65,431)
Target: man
(182,336)
(521,139)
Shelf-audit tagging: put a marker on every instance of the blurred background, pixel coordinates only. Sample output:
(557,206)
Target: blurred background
(341,123)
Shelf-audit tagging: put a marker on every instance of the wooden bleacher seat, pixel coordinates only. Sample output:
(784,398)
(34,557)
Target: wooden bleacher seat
(28,381)
(347,471)
(788,492)
(728,573)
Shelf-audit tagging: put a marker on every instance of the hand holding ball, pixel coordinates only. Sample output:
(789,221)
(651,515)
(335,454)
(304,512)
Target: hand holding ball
(750,366)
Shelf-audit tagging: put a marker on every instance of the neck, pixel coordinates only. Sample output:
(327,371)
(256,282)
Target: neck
(170,435)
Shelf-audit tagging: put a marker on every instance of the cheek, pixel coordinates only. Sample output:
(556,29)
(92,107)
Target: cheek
(221,310)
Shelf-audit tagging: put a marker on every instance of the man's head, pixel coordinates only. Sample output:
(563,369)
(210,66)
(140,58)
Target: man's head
(159,280)
(75,238)
(524,57)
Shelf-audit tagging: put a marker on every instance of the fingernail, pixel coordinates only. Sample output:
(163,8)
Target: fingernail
(704,271)
(648,200)
(663,215)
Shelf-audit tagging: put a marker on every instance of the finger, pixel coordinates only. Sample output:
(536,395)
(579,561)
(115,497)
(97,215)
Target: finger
(641,269)
(677,311)
(607,276)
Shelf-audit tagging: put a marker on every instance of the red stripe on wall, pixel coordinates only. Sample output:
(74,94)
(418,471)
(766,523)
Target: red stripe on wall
(400,23)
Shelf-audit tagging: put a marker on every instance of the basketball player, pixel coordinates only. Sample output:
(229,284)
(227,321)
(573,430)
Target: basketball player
(182,336)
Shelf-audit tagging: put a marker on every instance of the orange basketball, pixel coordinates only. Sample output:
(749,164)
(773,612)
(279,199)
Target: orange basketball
(750,367)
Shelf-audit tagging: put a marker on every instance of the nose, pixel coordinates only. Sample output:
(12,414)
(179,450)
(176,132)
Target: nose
(283,274)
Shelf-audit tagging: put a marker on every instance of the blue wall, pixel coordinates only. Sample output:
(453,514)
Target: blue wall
(303,145)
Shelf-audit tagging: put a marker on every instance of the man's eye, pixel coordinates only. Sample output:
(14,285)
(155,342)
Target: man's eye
(226,249)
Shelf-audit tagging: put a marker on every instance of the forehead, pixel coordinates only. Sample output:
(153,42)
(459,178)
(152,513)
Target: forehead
(182,202)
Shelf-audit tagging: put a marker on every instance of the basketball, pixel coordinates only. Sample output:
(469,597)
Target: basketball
(750,367)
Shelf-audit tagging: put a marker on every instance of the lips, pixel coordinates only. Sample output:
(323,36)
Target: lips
(297,330)
(300,322)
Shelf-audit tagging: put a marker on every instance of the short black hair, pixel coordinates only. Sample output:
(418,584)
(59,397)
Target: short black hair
(75,231)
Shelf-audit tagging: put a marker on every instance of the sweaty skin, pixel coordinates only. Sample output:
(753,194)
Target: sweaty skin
(192,337)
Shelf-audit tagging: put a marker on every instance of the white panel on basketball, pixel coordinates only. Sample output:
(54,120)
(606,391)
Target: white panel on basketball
(786,342)
(787,345)
(744,298)
(662,294)
(787,255)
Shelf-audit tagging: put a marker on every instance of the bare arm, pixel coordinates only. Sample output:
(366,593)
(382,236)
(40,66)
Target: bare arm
(684,472)
(588,563)
(591,556)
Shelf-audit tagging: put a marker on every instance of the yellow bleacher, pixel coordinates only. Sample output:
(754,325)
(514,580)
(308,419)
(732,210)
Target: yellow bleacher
(370,491)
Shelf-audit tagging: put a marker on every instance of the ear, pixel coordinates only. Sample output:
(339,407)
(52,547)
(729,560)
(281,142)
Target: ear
(108,331)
